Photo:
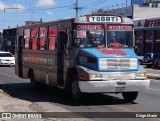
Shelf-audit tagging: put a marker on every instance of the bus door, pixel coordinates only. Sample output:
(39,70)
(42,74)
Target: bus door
(18,55)
(60,57)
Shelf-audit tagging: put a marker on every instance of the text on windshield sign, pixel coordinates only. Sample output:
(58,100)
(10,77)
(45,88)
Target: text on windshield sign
(114,19)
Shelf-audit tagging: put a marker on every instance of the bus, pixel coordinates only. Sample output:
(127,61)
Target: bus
(88,54)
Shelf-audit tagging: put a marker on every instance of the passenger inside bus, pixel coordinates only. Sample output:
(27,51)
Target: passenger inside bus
(91,40)
(86,41)
(116,39)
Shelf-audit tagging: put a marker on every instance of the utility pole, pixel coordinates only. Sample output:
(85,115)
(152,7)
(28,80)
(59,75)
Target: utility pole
(126,3)
(76,8)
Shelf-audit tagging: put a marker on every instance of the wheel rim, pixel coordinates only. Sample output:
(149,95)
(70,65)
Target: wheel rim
(75,90)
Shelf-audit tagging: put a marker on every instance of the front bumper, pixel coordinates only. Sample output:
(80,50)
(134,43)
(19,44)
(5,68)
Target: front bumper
(114,86)
(12,63)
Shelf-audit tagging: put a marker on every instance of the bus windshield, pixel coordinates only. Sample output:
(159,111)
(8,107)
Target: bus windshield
(120,36)
(89,36)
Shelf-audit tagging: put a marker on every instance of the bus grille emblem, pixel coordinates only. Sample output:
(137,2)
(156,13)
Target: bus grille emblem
(118,64)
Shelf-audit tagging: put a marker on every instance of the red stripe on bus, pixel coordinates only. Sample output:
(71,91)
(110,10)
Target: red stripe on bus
(112,51)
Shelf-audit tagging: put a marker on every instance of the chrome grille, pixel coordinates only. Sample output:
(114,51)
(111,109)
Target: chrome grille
(118,63)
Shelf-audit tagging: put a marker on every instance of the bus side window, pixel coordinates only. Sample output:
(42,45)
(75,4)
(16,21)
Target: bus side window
(52,43)
(42,38)
(26,38)
(34,38)
(26,44)
(52,37)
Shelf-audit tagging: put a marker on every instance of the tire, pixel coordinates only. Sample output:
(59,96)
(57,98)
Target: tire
(147,59)
(156,64)
(129,96)
(75,90)
(33,83)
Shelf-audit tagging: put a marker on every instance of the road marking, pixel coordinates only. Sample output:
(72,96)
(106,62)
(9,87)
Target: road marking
(154,89)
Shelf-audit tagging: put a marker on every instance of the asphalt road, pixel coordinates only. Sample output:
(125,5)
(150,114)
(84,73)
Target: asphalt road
(53,100)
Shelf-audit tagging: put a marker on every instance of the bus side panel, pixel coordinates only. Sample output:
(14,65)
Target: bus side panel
(40,74)
(51,75)
(43,65)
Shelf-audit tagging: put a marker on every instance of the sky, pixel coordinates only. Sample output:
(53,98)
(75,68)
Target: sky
(16,12)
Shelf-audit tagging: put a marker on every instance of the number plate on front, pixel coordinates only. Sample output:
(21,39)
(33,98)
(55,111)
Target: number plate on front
(120,89)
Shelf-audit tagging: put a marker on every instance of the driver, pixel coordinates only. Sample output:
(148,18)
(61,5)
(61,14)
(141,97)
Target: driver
(113,37)
(86,41)
(114,40)
(96,41)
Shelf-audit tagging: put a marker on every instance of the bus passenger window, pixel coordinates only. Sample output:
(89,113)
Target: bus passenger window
(52,43)
(52,37)
(26,38)
(43,35)
(34,38)
(26,43)
(34,43)
(42,43)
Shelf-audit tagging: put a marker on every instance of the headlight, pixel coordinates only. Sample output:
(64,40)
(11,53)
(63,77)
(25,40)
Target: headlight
(141,75)
(95,76)
(83,75)
(87,76)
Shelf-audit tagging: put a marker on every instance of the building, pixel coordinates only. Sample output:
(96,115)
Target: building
(147,36)
(152,3)
(1,38)
(9,39)
(137,12)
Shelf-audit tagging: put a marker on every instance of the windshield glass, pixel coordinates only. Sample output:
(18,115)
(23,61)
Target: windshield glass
(89,36)
(5,55)
(120,36)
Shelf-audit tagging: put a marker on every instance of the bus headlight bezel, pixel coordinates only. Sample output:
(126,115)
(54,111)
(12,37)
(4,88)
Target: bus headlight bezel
(142,75)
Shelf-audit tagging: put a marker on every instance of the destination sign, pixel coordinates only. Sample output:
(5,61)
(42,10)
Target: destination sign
(109,19)
(120,28)
(91,27)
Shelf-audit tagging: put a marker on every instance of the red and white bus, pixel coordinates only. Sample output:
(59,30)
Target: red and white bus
(89,54)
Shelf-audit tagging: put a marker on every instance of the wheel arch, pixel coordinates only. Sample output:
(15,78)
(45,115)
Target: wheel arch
(70,72)
(30,70)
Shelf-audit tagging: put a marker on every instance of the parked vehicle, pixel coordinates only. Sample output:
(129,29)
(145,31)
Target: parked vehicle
(7,59)
(151,59)
(158,63)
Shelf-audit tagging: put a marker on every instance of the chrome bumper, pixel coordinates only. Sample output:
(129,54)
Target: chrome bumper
(114,86)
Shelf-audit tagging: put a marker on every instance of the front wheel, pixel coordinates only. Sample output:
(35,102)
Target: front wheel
(75,90)
(129,96)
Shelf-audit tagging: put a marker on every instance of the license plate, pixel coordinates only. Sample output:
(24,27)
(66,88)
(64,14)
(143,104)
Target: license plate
(120,89)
